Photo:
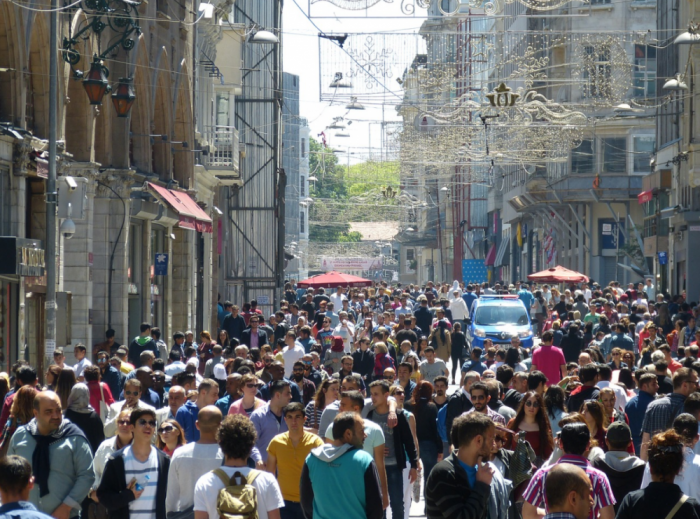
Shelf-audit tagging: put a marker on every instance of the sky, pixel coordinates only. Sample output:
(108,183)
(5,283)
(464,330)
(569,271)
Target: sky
(301,57)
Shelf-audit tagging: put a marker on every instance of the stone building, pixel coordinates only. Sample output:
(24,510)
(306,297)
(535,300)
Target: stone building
(150,190)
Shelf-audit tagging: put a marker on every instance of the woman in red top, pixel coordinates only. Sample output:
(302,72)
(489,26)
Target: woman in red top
(99,391)
(204,350)
(532,418)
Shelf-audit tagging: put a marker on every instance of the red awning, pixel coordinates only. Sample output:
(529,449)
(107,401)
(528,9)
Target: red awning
(558,274)
(645,196)
(191,215)
(491,256)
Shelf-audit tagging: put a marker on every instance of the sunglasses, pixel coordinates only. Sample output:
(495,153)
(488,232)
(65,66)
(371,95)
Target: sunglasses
(143,423)
(131,393)
(101,360)
(166,429)
(530,403)
(251,385)
(123,422)
(388,377)
(399,393)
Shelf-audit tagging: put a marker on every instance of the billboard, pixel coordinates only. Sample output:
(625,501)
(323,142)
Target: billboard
(350,264)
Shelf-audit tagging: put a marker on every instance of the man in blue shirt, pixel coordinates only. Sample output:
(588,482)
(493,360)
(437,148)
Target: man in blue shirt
(469,297)
(475,363)
(636,408)
(187,415)
(16,481)
(526,297)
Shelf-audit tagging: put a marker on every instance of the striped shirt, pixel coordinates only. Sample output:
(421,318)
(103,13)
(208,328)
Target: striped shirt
(602,493)
(146,475)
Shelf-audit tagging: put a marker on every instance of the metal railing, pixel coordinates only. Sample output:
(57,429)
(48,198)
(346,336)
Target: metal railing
(223,149)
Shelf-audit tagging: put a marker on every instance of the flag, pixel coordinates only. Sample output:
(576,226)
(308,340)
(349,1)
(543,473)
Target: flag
(519,235)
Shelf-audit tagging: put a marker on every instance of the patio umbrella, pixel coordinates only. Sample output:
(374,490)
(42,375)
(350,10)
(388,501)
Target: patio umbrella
(558,274)
(334,279)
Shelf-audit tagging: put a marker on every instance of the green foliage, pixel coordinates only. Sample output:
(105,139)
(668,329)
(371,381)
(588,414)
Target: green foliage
(343,194)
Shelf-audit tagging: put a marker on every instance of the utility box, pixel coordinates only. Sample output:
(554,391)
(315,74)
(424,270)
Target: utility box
(73,191)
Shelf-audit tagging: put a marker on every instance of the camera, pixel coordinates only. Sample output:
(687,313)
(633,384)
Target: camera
(72,184)
(67,229)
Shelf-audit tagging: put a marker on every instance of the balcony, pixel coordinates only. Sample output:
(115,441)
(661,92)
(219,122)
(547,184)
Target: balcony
(220,153)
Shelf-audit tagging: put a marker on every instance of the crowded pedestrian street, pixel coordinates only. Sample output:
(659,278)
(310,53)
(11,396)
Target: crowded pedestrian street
(349,259)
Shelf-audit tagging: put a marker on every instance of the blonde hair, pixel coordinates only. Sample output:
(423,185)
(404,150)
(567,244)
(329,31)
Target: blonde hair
(380,347)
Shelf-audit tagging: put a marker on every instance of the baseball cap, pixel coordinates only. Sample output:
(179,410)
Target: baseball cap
(619,433)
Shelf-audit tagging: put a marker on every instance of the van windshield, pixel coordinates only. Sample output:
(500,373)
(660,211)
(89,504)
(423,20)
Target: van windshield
(500,316)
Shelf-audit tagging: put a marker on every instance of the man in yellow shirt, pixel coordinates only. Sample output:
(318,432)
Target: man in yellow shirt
(286,455)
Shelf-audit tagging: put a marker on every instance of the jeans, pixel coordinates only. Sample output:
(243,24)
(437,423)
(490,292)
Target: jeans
(428,455)
(291,510)
(394,480)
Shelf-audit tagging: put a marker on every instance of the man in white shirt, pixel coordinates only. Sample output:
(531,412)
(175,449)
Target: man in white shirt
(459,308)
(346,330)
(190,462)
(236,439)
(338,298)
(175,365)
(132,395)
(80,352)
(292,352)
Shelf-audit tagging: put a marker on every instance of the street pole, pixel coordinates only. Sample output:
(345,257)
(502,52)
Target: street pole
(51,195)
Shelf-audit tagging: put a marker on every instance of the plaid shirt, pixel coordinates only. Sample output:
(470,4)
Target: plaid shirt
(661,413)
(495,417)
(602,493)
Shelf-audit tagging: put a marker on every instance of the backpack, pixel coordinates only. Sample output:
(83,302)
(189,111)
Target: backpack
(442,422)
(237,501)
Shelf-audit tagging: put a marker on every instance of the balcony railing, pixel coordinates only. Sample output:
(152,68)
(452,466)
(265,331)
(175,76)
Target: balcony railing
(223,150)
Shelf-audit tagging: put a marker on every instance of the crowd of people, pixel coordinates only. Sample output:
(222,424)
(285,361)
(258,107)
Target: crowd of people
(339,404)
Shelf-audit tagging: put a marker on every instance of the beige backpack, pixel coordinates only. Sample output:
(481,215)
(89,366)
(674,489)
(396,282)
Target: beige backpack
(237,500)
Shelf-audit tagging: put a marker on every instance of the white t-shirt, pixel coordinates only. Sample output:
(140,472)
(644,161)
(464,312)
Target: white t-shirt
(290,356)
(187,464)
(207,490)
(80,367)
(146,475)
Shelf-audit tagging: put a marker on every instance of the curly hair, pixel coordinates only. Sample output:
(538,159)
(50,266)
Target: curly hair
(236,436)
(546,442)
(666,455)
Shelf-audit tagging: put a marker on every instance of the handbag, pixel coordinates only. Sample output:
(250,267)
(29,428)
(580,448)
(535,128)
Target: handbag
(521,463)
(97,510)
(104,408)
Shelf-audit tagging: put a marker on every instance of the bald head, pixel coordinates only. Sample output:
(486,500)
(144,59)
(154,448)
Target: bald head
(568,489)
(176,398)
(209,419)
(48,412)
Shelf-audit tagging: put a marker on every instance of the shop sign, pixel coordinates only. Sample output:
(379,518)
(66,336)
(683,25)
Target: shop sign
(27,260)
(663,258)
(160,266)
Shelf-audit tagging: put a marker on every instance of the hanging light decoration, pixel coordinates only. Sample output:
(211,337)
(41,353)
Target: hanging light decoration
(95,82)
(123,97)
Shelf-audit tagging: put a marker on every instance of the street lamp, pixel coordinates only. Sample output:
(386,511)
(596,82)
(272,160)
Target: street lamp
(676,83)
(263,37)
(95,82)
(691,36)
(123,97)
(354,104)
(340,82)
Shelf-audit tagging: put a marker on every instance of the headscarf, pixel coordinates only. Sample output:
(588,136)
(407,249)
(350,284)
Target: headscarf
(79,399)
(455,286)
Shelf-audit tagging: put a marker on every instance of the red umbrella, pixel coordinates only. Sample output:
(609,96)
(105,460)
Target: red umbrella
(333,280)
(558,274)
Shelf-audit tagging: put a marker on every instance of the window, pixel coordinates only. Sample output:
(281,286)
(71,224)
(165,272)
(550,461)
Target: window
(643,149)
(582,158)
(303,147)
(644,71)
(410,254)
(596,69)
(222,109)
(614,154)
(302,186)
(301,222)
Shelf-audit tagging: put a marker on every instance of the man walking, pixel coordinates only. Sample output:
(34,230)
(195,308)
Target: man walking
(141,343)
(636,408)
(400,446)
(16,481)
(236,439)
(568,491)
(432,367)
(285,457)
(268,419)
(549,359)
(480,399)
(460,485)
(135,479)
(340,479)
(132,395)
(191,461)
(187,415)
(60,456)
